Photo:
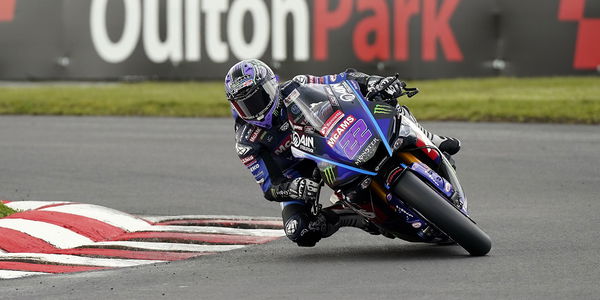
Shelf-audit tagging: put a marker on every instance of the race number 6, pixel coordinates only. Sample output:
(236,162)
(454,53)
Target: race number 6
(354,140)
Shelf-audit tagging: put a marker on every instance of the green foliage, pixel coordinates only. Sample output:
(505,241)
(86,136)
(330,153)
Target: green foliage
(554,99)
(5,210)
(557,100)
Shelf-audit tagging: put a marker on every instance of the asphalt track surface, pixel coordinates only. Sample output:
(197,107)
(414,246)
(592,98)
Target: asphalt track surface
(533,188)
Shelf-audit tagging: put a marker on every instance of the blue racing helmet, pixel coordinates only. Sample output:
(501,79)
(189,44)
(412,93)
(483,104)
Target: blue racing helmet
(253,91)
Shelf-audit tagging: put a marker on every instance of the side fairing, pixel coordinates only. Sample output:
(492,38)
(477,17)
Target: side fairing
(337,128)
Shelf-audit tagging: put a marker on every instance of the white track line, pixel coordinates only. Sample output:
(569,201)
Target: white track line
(217,230)
(31,205)
(76,260)
(56,235)
(207,217)
(108,215)
(170,246)
(10,274)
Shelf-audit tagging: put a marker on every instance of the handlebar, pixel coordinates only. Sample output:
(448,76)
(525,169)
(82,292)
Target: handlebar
(409,92)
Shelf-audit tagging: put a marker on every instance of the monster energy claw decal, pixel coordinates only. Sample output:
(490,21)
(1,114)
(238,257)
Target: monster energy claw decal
(383,109)
(329,174)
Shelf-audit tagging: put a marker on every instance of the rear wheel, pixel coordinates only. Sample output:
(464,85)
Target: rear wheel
(439,212)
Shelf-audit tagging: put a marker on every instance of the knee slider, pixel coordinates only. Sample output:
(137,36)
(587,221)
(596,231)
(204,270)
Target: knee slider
(296,226)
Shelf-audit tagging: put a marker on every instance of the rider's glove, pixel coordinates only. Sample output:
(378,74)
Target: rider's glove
(304,189)
(388,88)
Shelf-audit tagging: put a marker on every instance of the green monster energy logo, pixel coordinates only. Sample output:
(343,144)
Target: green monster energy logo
(383,109)
(329,175)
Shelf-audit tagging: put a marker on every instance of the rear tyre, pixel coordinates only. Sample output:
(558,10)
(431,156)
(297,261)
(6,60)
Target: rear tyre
(445,217)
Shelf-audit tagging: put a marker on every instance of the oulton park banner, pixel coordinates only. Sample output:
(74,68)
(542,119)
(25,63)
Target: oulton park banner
(201,39)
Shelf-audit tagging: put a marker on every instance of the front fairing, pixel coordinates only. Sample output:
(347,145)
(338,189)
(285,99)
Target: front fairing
(335,126)
(410,131)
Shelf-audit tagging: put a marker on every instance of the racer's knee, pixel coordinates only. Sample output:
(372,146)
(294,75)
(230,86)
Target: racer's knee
(296,225)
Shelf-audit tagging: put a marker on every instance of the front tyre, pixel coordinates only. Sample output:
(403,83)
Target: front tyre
(439,212)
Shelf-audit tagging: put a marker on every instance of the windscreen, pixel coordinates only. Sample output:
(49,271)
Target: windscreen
(314,103)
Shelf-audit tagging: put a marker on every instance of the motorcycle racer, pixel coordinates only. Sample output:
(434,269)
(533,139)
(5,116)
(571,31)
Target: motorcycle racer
(264,139)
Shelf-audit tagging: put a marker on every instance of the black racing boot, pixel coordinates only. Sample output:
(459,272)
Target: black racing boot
(343,217)
(446,144)
(326,223)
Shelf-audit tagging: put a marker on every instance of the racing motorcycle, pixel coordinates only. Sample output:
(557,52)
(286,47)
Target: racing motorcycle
(381,165)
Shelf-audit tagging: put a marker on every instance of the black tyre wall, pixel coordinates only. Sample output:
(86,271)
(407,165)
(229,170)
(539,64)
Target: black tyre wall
(435,209)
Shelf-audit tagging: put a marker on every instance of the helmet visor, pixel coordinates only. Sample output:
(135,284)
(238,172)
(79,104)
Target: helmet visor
(255,105)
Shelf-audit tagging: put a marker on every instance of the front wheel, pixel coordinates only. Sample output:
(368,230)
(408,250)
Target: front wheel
(445,217)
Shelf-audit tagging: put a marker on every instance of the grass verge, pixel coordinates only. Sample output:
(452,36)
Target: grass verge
(552,99)
(5,210)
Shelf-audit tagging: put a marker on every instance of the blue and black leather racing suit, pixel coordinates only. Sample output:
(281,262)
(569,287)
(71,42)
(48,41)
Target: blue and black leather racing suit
(267,154)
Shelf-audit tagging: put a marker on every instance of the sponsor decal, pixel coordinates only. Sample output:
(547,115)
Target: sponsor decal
(300,79)
(249,130)
(312,79)
(333,119)
(333,77)
(298,127)
(383,109)
(392,175)
(248,160)
(368,152)
(277,112)
(406,213)
(294,109)
(255,134)
(358,135)
(269,137)
(285,145)
(285,126)
(303,142)
(241,83)
(254,167)
(242,149)
(291,98)
(339,131)
(343,92)
(416,225)
(329,175)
